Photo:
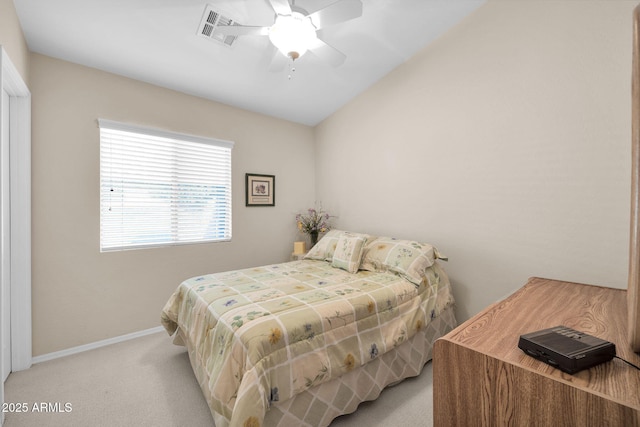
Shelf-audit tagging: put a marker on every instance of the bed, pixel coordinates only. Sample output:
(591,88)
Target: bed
(302,342)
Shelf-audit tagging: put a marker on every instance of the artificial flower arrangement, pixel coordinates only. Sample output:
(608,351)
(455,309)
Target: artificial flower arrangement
(315,221)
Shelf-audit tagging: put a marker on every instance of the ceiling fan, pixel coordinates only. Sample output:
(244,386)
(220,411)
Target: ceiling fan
(293,32)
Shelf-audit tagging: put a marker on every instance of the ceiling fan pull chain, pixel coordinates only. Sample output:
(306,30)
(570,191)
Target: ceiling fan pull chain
(292,68)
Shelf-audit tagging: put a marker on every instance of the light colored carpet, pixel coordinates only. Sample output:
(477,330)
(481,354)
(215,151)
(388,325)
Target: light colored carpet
(148,381)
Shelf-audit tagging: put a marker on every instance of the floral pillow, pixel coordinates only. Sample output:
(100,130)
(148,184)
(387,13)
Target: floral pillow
(323,250)
(348,252)
(405,257)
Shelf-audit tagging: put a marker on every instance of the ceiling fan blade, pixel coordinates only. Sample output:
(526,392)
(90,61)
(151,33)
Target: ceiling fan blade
(327,53)
(339,11)
(241,30)
(281,7)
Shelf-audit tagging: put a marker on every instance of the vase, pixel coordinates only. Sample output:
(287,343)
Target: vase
(314,238)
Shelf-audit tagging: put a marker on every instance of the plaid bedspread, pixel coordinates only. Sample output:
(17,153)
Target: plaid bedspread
(266,334)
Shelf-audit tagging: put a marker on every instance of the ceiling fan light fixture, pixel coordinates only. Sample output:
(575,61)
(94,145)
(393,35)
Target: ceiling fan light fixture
(292,34)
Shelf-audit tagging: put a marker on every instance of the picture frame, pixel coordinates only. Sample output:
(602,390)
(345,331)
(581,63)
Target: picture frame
(260,190)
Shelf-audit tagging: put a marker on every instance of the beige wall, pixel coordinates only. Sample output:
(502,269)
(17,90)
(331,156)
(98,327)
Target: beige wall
(81,295)
(12,39)
(506,143)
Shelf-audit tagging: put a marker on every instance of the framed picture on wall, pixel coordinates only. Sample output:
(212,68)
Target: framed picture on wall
(260,190)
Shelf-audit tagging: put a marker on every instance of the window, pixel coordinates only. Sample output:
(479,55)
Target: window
(159,188)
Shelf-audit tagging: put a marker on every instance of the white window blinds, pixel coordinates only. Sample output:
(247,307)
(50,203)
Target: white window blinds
(162,188)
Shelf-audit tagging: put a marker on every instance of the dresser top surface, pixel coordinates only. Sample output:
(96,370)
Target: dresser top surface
(545,303)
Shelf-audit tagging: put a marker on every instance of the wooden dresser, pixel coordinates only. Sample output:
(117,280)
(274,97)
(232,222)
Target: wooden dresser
(482,378)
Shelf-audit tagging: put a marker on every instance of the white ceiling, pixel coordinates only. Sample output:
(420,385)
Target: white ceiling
(156,41)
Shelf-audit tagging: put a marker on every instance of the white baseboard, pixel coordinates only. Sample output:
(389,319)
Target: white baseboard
(94,345)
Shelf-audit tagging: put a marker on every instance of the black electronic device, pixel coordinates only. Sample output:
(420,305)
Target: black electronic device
(567,349)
